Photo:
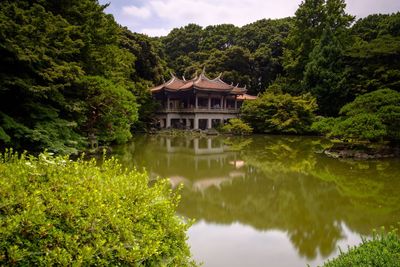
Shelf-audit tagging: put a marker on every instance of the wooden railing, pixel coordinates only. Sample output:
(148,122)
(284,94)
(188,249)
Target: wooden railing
(200,110)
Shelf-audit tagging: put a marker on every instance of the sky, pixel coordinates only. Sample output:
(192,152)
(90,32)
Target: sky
(159,17)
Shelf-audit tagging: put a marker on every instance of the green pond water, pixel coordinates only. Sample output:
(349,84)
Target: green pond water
(270,200)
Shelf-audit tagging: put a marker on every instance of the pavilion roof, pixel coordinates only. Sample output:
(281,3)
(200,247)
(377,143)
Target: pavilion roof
(201,83)
(247,97)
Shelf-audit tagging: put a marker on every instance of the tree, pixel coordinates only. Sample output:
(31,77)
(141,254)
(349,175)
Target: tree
(323,75)
(68,71)
(280,113)
(372,65)
(234,64)
(307,28)
(369,117)
(148,63)
(110,110)
(218,37)
(376,25)
(250,55)
(237,127)
(181,41)
(36,49)
(315,44)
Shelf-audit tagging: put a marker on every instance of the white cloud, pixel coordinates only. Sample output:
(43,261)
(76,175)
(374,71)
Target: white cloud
(363,8)
(155,32)
(210,12)
(158,17)
(139,12)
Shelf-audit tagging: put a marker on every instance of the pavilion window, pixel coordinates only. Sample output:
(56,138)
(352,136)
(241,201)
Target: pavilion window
(202,102)
(230,103)
(216,103)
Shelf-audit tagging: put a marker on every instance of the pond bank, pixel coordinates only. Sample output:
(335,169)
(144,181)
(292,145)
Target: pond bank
(362,151)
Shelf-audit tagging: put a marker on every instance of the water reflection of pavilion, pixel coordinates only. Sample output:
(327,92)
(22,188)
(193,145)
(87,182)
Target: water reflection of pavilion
(195,158)
(199,146)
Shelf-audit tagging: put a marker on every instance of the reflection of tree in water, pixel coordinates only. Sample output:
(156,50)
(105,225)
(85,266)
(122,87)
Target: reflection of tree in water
(283,185)
(370,186)
(292,204)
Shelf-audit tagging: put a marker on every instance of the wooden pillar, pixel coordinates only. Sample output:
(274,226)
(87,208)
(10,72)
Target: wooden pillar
(222,102)
(196,102)
(168,121)
(209,101)
(167,102)
(209,123)
(195,123)
(235,103)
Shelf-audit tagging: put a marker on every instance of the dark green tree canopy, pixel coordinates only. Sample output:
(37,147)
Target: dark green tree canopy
(280,113)
(370,117)
(59,60)
(67,70)
(250,55)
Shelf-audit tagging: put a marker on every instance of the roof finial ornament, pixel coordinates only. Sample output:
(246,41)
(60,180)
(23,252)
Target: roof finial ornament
(183,77)
(172,74)
(245,86)
(219,76)
(162,79)
(237,85)
(195,75)
(231,83)
(204,70)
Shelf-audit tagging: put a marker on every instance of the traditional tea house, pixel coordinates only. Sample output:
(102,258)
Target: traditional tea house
(199,103)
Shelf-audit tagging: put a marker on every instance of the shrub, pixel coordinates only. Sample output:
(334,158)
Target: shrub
(55,211)
(237,127)
(324,125)
(370,117)
(280,113)
(360,127)
(382,251)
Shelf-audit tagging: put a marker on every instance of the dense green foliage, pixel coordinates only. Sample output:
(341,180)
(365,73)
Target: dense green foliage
(55,211)
(70,74)
(237,127)
(280,113)
(322,50)
(336,62)
(383,250)
(67,72)
(371,117)
(250,55)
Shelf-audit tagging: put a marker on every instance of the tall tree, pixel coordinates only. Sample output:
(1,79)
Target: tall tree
(373,59)
(307,29)
(323,74)
(48,49)
(218,37)
(181,41)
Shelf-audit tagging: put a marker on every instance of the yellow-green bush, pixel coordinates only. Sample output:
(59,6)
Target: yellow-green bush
(55,211)
(383,250)
(237,127)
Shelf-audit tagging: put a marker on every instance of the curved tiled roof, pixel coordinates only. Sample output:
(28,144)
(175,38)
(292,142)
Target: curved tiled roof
(247,97)
(199,83)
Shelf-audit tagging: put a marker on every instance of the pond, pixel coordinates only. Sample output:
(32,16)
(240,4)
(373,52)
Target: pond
(270,200)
